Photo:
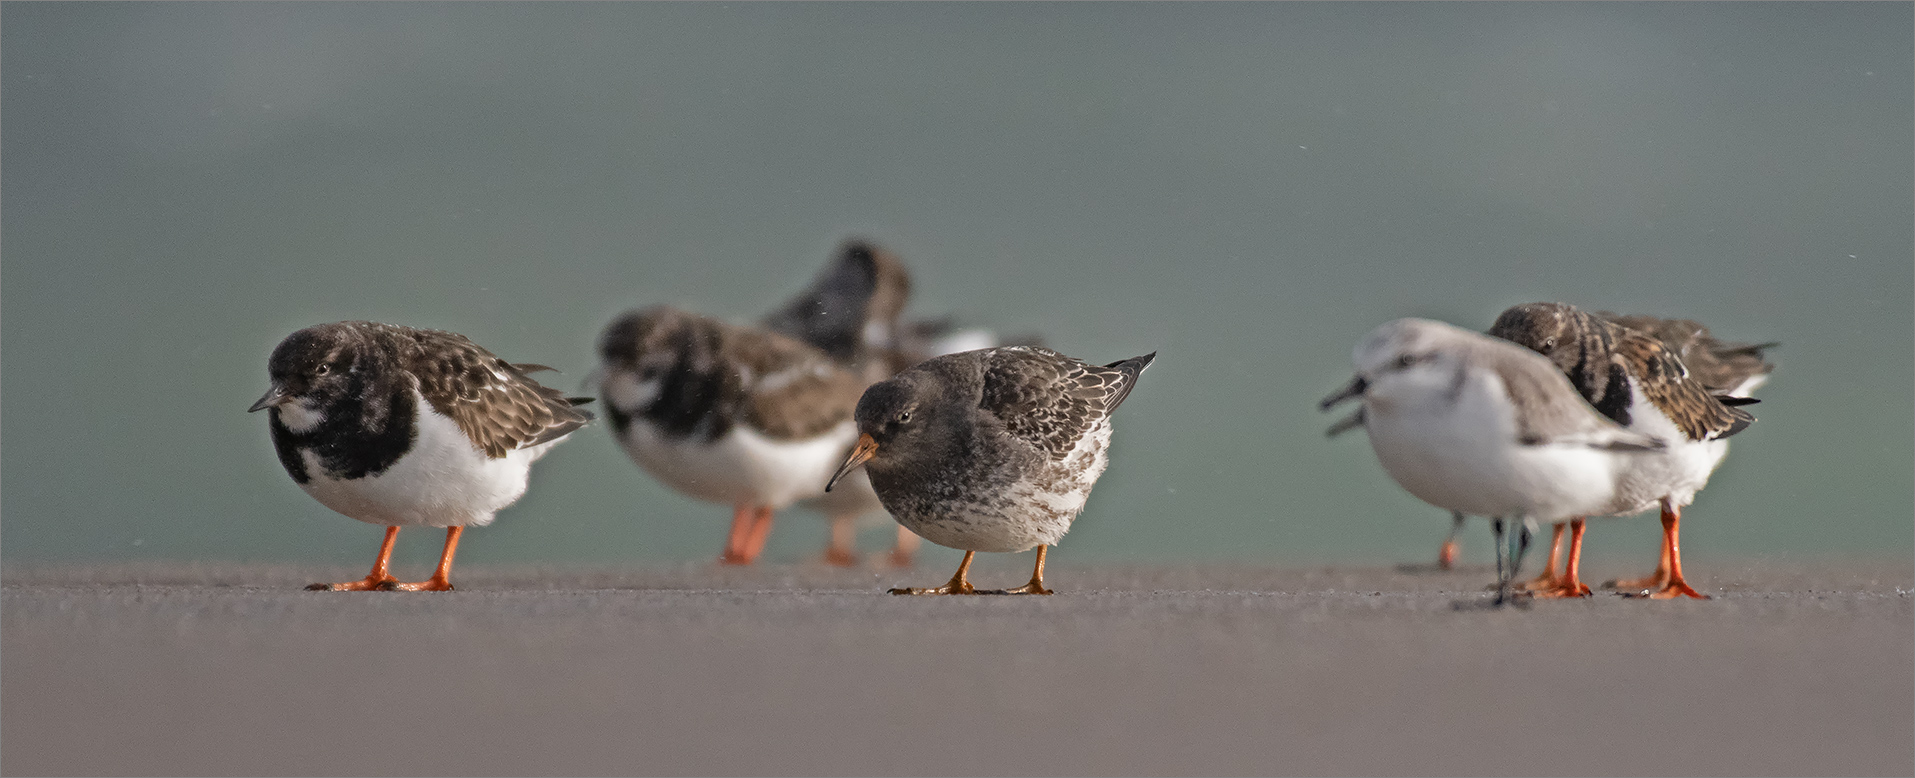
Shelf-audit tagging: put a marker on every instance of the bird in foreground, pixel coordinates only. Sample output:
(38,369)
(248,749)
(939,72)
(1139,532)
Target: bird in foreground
(1729,371)
(725,413)
(991,450)
(399,426)
(1480,426)
(1634,379)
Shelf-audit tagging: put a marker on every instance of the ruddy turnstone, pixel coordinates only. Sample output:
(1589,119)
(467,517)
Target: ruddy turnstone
(736,415)
(1636,380)
(1730,371)
(402,427)
(1483,427)
(991,450)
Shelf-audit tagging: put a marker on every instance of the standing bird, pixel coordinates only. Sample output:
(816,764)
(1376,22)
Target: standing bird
(990,450)
(1730,371)
(1634,379)
(1483,427)
(401,427)
(725,413)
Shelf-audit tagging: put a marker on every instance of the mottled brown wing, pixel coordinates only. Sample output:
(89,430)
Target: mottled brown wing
(491,400)
(1667,384)
(1050,400)
(1719,365)
(792,391)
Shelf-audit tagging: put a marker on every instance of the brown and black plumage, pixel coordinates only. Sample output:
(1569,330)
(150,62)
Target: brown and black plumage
(990,450)
(400,426)
(1604,359)
(1724,368)
(1638,378)
(852,310)
(732,414)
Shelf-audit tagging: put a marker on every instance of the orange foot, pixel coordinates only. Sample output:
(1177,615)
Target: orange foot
(838,557)
(434,585)
(1547,582)
(1562,590)
(902,558)
(1675,588)
(367,584)
(1446,558)
(734,559)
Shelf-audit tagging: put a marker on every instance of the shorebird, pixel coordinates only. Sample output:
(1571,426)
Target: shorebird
(731,414)
(993,450)
(1480,426)
(399,426)
(1638,380)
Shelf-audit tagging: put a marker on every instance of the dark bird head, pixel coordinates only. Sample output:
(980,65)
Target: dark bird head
(314,366)
(1554,330)
(899,422)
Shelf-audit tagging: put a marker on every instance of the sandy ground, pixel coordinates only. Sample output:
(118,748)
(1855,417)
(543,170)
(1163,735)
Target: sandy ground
(1794,669)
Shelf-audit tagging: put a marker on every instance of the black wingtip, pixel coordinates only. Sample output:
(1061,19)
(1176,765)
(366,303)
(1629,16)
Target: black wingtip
(576,401)
(1134,364)
(1736,402)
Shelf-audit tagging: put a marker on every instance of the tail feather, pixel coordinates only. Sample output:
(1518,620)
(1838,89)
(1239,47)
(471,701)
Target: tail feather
(1131,369)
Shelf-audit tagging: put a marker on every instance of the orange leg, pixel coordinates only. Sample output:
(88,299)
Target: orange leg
(760,529)
(1036,586)
(843,550)
(1671,529)
(905,553)
(1656,580)
(1548,580)
(1446,557)
(1570,584)
(742,517)
(957,584)
(376,579)
(440,578)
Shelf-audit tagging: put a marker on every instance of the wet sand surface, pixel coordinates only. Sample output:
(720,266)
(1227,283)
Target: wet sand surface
(1793,669)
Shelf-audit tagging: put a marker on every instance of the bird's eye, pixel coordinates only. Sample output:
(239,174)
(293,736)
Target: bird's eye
(1548,343)
(323,369)
(1405,361)
(904,416)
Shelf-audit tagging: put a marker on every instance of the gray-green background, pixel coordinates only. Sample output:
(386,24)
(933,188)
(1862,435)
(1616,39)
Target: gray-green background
(1245,188)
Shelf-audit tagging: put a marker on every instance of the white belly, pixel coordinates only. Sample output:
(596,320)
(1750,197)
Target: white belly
(741,466)
(442,481)
(1034,511)
(1677,472)
(1465,457)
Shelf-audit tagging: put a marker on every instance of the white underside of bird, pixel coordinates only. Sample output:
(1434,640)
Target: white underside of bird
(1677,472)
(1033,511)
(1462,452)
(443,480)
